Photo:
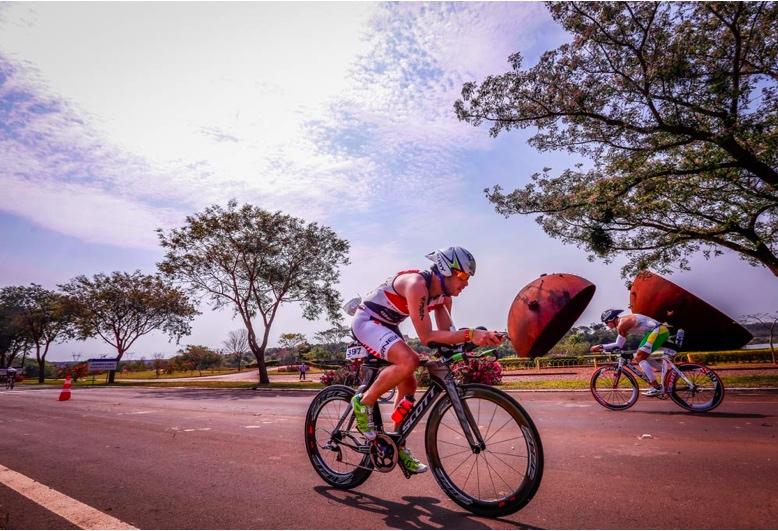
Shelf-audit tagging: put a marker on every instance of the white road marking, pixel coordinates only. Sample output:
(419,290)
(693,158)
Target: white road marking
(251,427)
(75,512)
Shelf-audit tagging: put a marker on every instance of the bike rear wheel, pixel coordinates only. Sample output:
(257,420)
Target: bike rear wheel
(330,448)
(614,388)
(387,396)
(705,392)
(502,478)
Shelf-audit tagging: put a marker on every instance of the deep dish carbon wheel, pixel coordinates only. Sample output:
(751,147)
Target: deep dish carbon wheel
(331,450)
(705,392)
(613,388)
(502,478)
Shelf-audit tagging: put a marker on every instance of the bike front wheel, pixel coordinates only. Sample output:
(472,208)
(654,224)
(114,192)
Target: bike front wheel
(331,439)
(700,389)
(498,480)
(614,388)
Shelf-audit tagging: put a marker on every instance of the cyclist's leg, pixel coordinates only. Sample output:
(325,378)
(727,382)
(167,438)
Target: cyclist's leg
(404,362)
(386,342)
(649,344)
(405,388)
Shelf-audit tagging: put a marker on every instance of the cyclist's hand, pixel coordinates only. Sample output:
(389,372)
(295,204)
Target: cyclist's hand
(483,338)
(596,348)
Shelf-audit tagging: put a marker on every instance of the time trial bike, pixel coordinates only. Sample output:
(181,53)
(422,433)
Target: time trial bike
(483,449)
(692,386)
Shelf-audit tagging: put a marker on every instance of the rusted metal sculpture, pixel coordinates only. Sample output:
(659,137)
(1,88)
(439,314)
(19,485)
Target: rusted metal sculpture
(706,327)
(544,310)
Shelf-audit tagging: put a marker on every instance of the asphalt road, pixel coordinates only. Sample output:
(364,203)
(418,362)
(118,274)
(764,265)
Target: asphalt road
(234,458)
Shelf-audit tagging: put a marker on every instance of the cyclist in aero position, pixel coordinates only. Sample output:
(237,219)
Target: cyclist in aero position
(655,334)
(411,293)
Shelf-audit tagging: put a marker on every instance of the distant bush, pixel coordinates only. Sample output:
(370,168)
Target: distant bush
(346,375)
(731,356)
(478,370)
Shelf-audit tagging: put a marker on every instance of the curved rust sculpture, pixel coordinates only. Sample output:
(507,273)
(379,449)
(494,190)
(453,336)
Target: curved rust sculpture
(706,327)
(544,310)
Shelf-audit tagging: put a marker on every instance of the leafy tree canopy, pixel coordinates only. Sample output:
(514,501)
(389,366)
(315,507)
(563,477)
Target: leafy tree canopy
(121,307)
(36,317)
(676,104)
(253,261)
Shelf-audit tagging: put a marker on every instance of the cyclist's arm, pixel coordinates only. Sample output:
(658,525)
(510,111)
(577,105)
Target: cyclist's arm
(416,294)
(625,325)
(619,343)
(443,315)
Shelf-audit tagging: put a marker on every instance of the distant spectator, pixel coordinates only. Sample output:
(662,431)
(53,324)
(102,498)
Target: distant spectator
(303,368)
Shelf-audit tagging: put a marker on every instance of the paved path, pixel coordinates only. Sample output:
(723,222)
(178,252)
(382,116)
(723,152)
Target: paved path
(234,458)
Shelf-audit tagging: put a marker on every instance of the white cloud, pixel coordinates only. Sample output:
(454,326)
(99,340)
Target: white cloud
(85,212)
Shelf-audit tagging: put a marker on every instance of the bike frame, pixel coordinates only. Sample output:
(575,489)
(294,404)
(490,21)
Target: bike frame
(667,366)
(441,383)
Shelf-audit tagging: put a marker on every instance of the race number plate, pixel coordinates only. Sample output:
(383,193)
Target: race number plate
(356,352)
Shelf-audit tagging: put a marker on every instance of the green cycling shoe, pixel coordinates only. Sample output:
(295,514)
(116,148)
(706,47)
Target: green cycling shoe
(364,416)
(411,463)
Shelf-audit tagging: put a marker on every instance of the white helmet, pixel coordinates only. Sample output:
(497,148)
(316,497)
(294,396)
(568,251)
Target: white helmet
(453,258)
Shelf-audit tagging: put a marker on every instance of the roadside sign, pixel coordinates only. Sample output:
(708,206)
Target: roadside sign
(103,364)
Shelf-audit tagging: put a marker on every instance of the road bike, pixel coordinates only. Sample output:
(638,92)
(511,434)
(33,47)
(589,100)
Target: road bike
(692,386)
(483,449)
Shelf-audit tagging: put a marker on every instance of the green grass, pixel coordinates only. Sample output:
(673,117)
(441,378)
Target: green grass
(148,375)
(188,383)
(759,380)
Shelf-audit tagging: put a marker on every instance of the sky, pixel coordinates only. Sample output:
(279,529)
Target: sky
(121,118)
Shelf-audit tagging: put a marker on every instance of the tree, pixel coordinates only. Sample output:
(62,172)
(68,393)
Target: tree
(292,340)
(122,307)
(254,261)
(200,358)
(13,340)
(237,345)
(769,321)
(333,338)
(158,363)
(677,106)
(41,317)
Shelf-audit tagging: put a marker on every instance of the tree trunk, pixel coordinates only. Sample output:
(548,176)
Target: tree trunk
(41,364)
(259,354)
(766,256)
(112,374)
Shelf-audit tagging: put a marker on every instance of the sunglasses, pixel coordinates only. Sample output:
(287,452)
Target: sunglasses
(461,275)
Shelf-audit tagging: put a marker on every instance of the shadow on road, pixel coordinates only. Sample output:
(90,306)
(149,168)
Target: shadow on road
(409,515)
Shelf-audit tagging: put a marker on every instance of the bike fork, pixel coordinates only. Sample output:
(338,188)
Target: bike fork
(465,417)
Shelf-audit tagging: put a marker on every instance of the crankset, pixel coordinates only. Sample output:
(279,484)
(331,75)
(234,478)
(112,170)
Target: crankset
(383,453)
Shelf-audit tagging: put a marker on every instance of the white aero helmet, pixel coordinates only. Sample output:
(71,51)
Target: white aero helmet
(453,258)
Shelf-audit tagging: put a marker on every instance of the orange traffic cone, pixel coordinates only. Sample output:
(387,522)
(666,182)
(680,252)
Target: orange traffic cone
(65,394)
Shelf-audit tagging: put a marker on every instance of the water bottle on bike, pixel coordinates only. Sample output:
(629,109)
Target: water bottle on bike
(403,408)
